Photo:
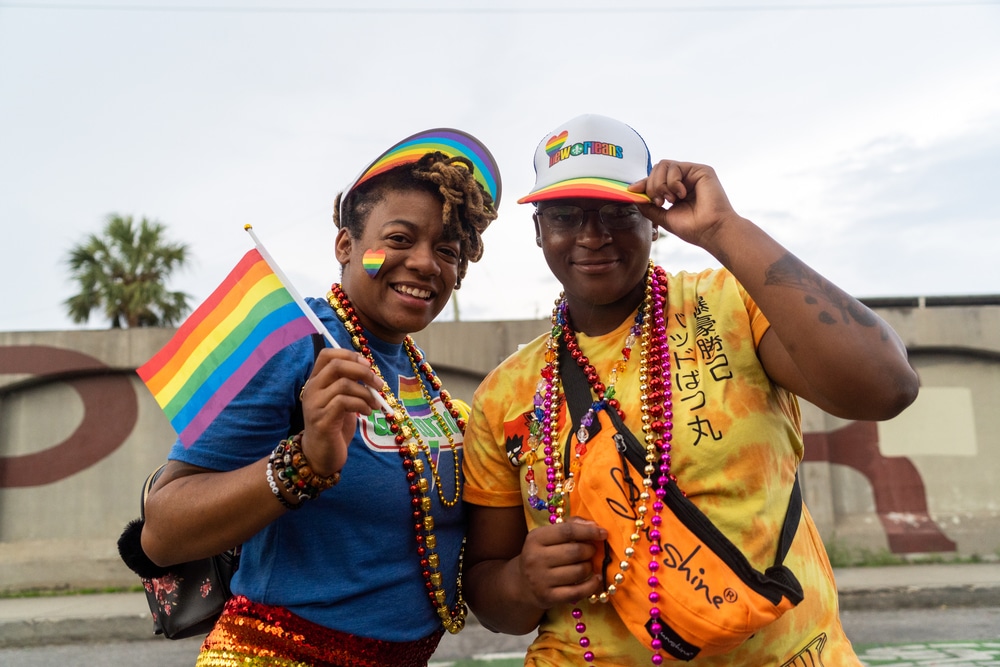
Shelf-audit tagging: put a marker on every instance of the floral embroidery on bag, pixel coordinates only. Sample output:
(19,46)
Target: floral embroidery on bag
(166,590)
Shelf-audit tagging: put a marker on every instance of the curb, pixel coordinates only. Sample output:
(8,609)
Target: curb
(123,616)
(915,597)
(28,633)
(65,619)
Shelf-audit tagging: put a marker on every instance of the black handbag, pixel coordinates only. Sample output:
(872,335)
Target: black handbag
(186,599)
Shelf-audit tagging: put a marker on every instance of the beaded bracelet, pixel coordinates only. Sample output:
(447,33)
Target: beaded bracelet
(274,486)
(292,469)
(306,474)
(288,475)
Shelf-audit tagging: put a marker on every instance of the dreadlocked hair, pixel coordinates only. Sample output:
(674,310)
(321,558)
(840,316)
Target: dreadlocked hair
(467,209)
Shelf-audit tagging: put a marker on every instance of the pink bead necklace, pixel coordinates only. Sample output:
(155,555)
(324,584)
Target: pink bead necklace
(657,414)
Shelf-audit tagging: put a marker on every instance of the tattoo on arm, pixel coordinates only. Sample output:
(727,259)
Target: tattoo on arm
(789,271)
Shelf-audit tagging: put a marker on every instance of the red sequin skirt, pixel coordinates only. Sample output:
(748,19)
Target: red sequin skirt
(249,633)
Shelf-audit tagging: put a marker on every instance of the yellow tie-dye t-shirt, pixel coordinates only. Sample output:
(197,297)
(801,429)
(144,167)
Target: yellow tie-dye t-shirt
(736,447)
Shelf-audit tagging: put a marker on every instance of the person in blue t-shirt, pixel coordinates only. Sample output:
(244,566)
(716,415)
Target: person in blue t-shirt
(351,530)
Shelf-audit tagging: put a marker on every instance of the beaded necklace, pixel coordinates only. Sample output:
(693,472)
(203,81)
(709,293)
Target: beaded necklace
(411,446)
(605,394)
(656,407)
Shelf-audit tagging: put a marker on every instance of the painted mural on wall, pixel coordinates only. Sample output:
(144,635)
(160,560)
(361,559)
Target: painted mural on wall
(898,489)
(110,410)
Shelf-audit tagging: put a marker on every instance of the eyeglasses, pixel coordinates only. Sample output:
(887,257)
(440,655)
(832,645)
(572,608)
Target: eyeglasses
(567,218)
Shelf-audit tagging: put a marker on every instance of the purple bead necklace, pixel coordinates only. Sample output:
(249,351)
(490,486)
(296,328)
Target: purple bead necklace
(657,414)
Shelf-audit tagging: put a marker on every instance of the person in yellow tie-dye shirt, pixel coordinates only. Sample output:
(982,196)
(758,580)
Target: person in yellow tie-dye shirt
(703,369)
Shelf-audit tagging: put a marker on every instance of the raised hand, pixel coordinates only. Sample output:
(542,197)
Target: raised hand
(698,203)
(333,396)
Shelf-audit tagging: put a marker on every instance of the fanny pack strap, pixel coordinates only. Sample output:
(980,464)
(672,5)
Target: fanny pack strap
(578,402)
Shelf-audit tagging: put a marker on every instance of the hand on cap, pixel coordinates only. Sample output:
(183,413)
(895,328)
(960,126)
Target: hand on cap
(697,200)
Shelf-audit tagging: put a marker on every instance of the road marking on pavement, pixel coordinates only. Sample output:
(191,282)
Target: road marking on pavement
(935,654)
(510,659)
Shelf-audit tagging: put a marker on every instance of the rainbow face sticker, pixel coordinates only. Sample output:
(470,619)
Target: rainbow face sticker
(372,261)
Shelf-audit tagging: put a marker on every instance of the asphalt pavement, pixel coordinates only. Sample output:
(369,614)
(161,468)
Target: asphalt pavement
(67,619)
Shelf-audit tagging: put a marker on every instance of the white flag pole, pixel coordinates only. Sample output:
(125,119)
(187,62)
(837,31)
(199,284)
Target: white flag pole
(306,310)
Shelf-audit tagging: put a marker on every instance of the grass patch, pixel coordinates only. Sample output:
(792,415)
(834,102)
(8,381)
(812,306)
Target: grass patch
(844,555)
(58,592)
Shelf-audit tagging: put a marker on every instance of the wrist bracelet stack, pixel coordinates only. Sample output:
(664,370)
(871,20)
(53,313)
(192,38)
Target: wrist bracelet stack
(289,465)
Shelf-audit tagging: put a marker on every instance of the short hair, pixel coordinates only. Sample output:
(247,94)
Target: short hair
(467,209)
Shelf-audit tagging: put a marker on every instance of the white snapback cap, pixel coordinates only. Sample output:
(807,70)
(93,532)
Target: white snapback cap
(590,156)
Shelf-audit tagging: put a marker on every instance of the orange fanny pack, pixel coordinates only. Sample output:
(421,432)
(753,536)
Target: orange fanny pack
(711,599)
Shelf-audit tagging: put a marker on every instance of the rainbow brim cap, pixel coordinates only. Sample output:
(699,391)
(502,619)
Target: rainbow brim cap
(593,157)
(451,142)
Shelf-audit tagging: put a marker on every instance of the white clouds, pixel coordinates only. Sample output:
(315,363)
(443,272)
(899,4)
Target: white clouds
(838,131)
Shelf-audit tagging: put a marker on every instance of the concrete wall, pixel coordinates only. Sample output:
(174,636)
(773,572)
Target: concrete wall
(79,433)
(929,480)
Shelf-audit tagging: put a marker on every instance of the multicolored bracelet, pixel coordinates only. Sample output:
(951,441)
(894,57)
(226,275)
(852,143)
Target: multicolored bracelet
(289,463)
(304,469)
(274,486)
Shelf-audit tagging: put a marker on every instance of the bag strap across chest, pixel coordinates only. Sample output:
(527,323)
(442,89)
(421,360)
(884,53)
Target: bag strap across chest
(578,402)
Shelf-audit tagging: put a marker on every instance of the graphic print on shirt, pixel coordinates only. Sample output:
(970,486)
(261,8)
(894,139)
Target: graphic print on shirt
(377,437)
(811,655)
(516,434)
(704,348)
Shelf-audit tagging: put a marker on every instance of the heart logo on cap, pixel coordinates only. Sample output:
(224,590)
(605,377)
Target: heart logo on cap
(372,261)
(556,142)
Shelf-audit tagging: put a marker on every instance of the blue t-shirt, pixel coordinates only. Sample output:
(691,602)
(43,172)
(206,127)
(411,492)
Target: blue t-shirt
(347,560)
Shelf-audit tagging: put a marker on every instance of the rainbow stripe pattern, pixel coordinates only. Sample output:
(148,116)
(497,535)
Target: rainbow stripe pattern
(372,260)
(588,188)
(248,319)
(556,142)
(412,397)
(453,143)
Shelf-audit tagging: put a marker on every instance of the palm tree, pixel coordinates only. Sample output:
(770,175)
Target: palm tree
(123,273)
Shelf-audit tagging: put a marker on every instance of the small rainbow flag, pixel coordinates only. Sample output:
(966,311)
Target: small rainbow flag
(248,319)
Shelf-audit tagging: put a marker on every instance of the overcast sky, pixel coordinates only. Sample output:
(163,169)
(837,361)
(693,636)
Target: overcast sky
(865,136)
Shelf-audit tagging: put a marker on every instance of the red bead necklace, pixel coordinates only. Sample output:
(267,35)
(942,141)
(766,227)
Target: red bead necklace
(605,393)
(411,446)
(657,414)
